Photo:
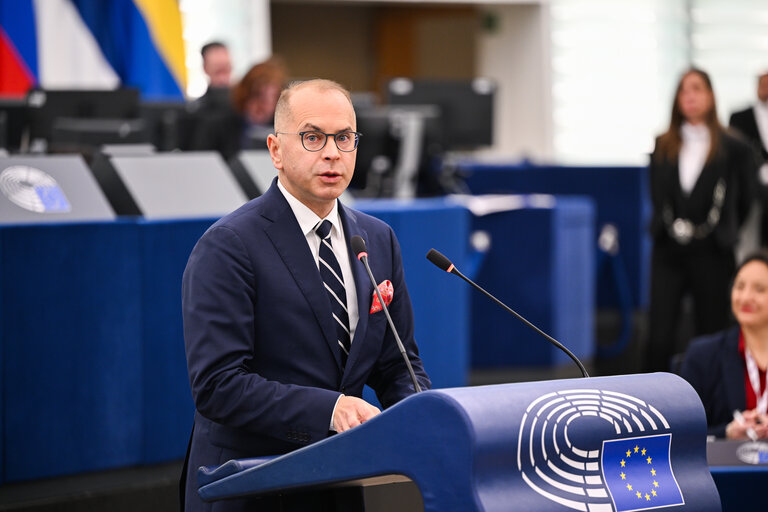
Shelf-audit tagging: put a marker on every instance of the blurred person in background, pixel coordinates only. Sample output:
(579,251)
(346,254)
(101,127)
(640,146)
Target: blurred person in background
(701,185)
(752,123)
(249,116)
(217,65)
(728,369)
(255,97)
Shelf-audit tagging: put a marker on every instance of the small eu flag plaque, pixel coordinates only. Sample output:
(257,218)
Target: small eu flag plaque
(638,473)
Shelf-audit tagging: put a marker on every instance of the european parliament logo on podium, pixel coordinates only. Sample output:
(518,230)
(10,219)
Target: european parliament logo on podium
(598,451)
(638,473)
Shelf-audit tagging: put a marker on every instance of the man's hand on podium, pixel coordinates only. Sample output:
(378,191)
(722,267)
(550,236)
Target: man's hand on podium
(352,411)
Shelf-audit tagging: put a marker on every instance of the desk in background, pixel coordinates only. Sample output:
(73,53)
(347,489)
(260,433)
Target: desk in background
(91,344)
(539,263)
(741,485)
(621,198)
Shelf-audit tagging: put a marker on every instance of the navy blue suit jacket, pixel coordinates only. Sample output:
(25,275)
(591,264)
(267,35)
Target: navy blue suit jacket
(262,355)
(714,367)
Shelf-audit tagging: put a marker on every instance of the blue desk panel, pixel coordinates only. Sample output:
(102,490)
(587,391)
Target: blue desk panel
(168,406)
(71,321)
(440,302)
(741,488)
(91,345)
(621,198)
(540,264)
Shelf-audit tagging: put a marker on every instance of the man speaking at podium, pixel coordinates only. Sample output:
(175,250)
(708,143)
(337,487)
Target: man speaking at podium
(280,328)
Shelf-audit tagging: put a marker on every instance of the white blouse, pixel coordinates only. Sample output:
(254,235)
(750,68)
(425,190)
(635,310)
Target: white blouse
(693,154)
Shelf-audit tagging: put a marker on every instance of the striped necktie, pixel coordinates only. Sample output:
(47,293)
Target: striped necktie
(330,272)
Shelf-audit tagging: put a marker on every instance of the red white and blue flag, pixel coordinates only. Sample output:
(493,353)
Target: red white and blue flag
(92,44)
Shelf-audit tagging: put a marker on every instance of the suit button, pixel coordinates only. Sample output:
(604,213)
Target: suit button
(343,390)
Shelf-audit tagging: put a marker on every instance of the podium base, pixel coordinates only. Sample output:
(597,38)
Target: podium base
(377,494)
(384,494)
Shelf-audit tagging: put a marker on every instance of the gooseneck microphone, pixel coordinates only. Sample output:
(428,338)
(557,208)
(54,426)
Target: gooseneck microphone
(358,246)
(444,263)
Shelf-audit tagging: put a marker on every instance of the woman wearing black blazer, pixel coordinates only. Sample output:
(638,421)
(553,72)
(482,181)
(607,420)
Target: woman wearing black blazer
(728,369)
(701,183)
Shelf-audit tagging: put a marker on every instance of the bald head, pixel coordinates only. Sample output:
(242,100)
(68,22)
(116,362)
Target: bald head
(283,109)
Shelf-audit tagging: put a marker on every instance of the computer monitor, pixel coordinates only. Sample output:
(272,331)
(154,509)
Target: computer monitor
(466,107)
(13,122)
(395,152)
(376,150)
(88,135)
(169,124)
(47,105)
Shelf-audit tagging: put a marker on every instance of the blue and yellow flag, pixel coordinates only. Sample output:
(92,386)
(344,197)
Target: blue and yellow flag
(142,41)
(638,473)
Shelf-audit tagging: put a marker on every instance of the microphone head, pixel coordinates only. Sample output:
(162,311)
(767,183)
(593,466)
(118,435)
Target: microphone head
(439,260)
(358,246)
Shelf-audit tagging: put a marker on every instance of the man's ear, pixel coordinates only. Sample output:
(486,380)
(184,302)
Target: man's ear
(275,151)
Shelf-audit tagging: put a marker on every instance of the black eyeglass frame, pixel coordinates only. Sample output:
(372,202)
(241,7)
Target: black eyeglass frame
(327,135)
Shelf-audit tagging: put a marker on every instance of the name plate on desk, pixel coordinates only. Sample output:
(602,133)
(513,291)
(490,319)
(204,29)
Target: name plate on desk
(737,453)
(49,189)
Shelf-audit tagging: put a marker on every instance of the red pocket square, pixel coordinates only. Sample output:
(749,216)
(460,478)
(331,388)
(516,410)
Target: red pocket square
(385,287)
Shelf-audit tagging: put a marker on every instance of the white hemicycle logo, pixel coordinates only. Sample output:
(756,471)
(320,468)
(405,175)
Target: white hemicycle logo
(33,190)
(552,464)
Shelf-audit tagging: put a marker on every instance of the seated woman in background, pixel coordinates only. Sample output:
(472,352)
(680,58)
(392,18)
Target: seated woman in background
(728,369)
(255,98)
(249,120)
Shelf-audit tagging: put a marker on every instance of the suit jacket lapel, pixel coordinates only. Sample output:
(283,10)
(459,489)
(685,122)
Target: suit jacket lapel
(363,286)
(291,244)
(733,370)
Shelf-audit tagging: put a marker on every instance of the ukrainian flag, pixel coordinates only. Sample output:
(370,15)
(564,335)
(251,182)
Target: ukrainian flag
(93,44)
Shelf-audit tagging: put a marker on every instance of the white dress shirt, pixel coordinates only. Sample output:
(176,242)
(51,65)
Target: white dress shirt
(307,221)
(761,118)
(693,154)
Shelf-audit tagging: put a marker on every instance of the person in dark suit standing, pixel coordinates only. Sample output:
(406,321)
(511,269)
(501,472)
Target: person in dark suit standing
(728,369)
(277,354)
(701,183)
(752,123)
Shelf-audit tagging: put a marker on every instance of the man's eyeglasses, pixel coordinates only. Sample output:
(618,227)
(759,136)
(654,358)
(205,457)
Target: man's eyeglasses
(315,141)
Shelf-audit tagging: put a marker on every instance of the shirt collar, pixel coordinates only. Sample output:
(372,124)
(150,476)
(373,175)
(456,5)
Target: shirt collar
(307,218)
(694,132)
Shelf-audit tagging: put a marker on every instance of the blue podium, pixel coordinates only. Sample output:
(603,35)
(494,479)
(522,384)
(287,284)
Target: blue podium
(596,445)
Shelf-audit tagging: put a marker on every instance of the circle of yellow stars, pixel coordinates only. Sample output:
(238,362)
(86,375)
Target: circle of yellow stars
(651,493)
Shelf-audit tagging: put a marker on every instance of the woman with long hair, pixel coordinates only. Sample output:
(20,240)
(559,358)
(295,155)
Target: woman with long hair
(701,183)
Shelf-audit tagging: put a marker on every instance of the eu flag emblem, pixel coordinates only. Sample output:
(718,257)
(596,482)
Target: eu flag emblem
(52,198)
(638,473)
